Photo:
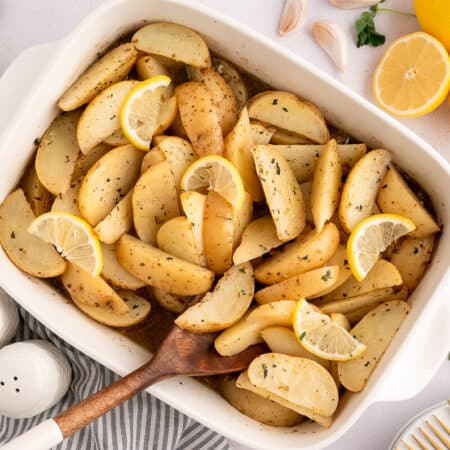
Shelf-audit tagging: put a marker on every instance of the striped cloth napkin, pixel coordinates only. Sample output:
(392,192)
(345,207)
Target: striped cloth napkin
(142,423)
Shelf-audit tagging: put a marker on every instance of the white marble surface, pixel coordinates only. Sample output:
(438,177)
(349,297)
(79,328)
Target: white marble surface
(24,23)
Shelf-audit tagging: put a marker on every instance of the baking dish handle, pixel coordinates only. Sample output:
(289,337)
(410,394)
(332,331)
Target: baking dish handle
(423,352)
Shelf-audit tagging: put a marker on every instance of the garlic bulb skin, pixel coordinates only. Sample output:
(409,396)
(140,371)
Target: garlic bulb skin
(9,318)
(352,4)
(293,15)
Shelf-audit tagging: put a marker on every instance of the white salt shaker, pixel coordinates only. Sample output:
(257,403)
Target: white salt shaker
(9,318)
(34,376)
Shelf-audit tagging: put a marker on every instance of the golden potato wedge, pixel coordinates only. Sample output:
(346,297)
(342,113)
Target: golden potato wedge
(241,218)
(262,133)
(176,236)
(173,41)
(108,181)
(114,273)
(151,158)
(218,232)
(154,201)
(233,78)
(68,202)
(119,221)
(170,302)
(283,340)
(238,144)
(92,291)
(306,192)
(38,197)
(361,188)
(326,185)
(259,237)
(100,119)
(116,139)
(85,162)
(258,408)
(158,268)
(341,320)
(376,330)
(412,258)
(307,284)
(307,252)
(223,97)
(26,251)
(57,153)
(168,110)
(193,204)
(247,331)
(224,306)
(112,67)
(285,137)
(179,153)
(303,158)
(177,128)
(200,118)
(282,192)
(395,196)
(244,382)
(382,275)
(285,110)
(301,381)
(147,67)
(138,309)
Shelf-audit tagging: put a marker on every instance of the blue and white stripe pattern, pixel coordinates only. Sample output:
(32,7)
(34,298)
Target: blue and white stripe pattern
(141,423)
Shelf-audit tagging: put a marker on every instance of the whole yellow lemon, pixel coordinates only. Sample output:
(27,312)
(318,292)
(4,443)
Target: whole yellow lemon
(434,18)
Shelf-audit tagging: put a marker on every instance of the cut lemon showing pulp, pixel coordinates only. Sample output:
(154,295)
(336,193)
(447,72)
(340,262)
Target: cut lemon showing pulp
(372,236)
(322,337)
(215,173)
(413,76)
(140,109)
(72,237)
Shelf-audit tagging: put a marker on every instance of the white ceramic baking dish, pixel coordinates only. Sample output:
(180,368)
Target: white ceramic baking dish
(417,350)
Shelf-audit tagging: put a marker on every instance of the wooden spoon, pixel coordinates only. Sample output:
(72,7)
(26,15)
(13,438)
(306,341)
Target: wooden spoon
(181,353)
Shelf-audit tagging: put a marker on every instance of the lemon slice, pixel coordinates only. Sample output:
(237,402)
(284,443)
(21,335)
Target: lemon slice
(140,109)
(73,238)
(372,236)
(322,337)
(413,76)
(215,173)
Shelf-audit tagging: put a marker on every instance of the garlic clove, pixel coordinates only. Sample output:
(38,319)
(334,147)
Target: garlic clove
(351,4)
(293,15)
(332,40)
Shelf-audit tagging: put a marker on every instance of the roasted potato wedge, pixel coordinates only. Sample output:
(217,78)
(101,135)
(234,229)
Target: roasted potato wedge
(173,41)
(116,139)
(112,67)
(361,188)
(200,118)
(92,291)
(108,181)
(138,309)
(218,232)
(154,201)
(114,273)
(176,236)
(147,67)
(258,408)
(224,306)
(119,221)
(85,162)
(306,193)
(285,110)
(26,251)
(412,258)
(233,78)
(244,382)
(395,196)
(282,192)
(301,381)
(159,269)
(57,153)
(259,237)
(151,158)
(241,218)
(262,133)
(285,137)
(376,330)
(326,185)
(283,340)
(68,202)
(171,302)
(307,252)
(38,197)
(307,284)
(100,119)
